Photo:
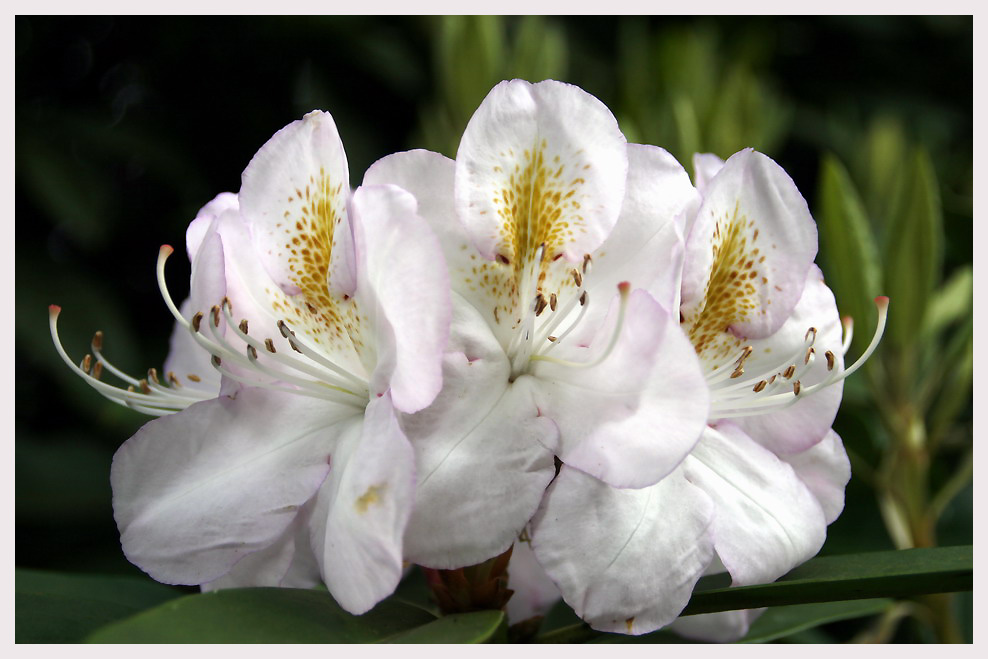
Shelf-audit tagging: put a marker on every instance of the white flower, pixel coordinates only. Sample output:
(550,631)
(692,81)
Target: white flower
(561,343)
(327,315)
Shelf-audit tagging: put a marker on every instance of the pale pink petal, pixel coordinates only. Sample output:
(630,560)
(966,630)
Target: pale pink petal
(199,227)
(721,627)
(766,521)
(196,491)
(403,288)
(747,254)
(363,508)
(825,470)
(626,560)
(542,163)
(631,419)
(294,199)
(705,167)
(479,450)
(804,423)
(534,592)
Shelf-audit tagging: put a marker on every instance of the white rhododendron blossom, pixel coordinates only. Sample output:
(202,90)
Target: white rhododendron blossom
(562,342)
(316,319)
(767,476)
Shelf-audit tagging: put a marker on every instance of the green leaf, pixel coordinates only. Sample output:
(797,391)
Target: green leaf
(63,608)
(854,576)
(952,302)
(475,627)
(848,251)
(781,621)
(913,251)
(262,615)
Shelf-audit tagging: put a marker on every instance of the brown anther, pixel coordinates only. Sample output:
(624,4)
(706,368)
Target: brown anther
(552,301)
(744,355)
(795,387)
(552,338)
(583,299)
(738,372)
(772,379)
(98,370)
(269,344)
(196,320)
(243,325)
(540,304)
(144,386)
(830,360)
(283,328)
(501,258)
(809,353)
(216,360)
(760,386)
(251,352)
(225,302)
(153,375)
(788,373)
(216,315)
(97,341)
(172,379)
(193,377)
(812,331)
(87,363)
(578,278)
(586,263)
(131,389)
(294,347)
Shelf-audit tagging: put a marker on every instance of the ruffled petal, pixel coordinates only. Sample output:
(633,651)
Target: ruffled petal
(625,560)
(631,419)
(542,163)
(825,470)
(721,627)
(362,510)
(483,466)
(294,198)
(705,167)
(766,521)
(747,255)
(403,288)
(804,423)
(196,491)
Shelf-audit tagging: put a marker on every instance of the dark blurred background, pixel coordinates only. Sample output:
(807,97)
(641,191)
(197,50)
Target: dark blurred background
(126,126)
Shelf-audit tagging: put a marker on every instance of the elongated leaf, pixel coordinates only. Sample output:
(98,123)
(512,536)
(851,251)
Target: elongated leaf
(781,621)
(262,615)
(476,627)
(63,608)
(913,250)
(855,576)
(848,253)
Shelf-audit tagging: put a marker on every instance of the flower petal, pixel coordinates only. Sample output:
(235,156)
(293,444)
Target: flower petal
(363,508)
(747,255)
(721,627)
(766,521)
(534,592)
(294,198)
(705,167)
(825,470)
(632,418)
(195,491)
(479,449)
(404,287)
(542,163)
(625,560)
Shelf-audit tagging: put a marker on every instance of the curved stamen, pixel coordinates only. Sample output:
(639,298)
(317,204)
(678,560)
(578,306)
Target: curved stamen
(624,289)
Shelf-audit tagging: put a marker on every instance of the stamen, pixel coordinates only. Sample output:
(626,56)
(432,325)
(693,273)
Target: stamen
(848,324)
(97,370)
(87,363)
(583,299)
(795,387)
(578,278)
(552,302)
(197,320)
(269,345)
(540,304)
(761,385)
(788,373)
(193,377)
(243,326)
(830,360)
(216,315)
(97,342)
(624,288)
(153,375)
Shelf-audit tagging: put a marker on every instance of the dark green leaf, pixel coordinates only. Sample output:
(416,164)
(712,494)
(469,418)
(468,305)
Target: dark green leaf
(476,627)
(64,608)
(847,248)
(262,615)
(855,576)
(781,621)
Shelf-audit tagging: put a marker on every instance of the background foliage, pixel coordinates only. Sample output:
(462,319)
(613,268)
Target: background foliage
(126,126)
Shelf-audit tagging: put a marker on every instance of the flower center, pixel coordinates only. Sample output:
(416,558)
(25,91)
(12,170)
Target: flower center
(736,395)
(549,321)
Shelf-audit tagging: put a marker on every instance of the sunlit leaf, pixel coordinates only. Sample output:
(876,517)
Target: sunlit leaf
(780,621)
(476,627)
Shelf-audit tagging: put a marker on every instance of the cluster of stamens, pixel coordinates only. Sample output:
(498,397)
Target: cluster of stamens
(276,370)
(781,385)
(535,338)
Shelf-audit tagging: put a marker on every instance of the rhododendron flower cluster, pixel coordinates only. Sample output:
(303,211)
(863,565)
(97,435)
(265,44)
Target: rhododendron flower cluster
(555,341)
